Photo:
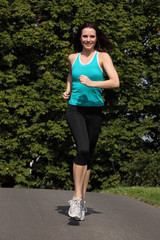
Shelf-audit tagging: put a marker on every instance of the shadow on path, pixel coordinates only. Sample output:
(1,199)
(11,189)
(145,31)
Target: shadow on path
(64,211)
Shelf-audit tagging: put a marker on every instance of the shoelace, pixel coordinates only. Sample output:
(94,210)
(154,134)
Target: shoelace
(75,203)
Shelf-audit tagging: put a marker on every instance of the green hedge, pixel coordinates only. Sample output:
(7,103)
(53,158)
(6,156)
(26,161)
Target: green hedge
(34,41)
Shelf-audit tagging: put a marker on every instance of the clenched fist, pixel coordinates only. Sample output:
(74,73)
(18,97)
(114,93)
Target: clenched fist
(85,80)
(66,95)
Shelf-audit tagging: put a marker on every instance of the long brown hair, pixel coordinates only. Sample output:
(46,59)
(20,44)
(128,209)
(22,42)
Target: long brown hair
(103,44)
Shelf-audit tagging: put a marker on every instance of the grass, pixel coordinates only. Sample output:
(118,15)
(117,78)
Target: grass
(149,195)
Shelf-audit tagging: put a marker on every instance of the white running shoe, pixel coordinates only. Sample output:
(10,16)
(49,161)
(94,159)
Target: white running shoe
(75,210)
(84,210)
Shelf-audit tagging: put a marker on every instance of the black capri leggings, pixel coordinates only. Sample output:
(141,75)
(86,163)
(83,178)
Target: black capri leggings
(85,126)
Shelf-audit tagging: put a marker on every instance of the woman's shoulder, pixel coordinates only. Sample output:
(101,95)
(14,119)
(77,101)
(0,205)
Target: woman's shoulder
(104,55)
(72,57)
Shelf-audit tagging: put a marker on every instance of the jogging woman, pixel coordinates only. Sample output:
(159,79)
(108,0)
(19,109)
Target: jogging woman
(85,82)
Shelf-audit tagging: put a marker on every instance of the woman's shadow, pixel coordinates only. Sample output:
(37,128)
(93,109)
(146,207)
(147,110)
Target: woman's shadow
(64,211)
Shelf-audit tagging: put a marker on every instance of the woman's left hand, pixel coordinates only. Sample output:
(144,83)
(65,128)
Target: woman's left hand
(85,80)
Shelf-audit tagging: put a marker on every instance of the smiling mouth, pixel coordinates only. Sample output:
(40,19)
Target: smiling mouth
(88,43)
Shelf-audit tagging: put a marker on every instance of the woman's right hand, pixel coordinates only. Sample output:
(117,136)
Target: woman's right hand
(66,95)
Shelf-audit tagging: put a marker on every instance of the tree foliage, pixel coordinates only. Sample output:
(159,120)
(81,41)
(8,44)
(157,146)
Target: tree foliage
(34,41)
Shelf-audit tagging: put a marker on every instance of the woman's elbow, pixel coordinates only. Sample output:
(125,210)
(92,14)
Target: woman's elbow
(117,83)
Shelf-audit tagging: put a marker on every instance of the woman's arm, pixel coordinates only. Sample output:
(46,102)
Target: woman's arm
(66,94)
(107,64)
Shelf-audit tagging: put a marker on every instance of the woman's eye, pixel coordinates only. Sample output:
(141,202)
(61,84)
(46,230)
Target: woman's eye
(85,36)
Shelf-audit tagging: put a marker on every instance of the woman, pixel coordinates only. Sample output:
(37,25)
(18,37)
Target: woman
(83,113)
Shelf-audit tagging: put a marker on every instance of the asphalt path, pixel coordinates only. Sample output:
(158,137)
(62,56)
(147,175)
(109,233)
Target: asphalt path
(29,214)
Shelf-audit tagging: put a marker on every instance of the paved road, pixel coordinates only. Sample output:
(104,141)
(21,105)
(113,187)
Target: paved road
(28,214)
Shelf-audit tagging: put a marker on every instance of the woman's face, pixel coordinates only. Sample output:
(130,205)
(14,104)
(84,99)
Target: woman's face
(88,38)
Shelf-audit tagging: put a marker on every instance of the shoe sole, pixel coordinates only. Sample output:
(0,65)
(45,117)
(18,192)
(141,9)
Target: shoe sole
(74,216)
(77,218)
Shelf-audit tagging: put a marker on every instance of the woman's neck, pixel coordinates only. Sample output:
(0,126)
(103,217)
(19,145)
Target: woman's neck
(88,53)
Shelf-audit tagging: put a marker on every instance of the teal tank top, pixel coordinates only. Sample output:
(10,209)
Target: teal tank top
(81,94)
